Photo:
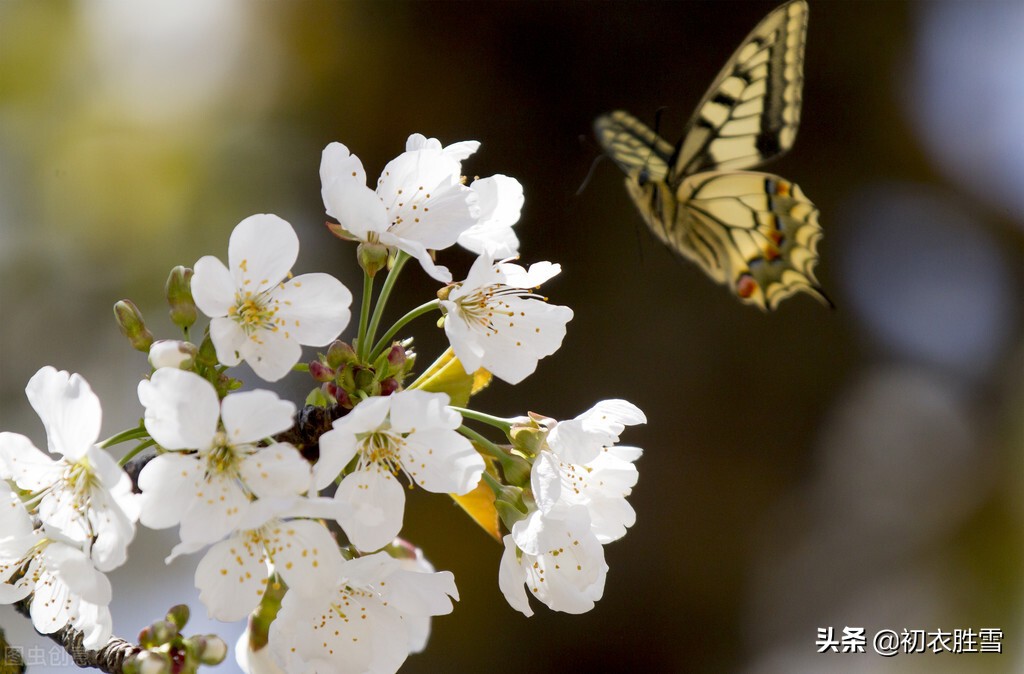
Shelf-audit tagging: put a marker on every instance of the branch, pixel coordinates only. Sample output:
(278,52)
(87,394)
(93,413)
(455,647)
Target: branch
(109,659)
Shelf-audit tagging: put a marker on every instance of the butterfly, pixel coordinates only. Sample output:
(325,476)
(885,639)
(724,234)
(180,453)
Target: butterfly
(754,232)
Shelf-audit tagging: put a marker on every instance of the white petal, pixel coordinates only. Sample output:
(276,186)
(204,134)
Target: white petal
(261,252)
(580,440)
(337,447)
(539,272)
(29,467)
(377,502)
(181,409)
(356,207)
(314,308)
(271,354)
(546,481)
(167,483)
(217,506)
(512,579)
(425,199)
(337,161)
(229,339)
(232,578)
(501,202)
(250,416)
(419,410)
(442,461)
(70,411)
(213,288)
(74,568)
(461,150)
(421,594)
(276,471)
(306,556)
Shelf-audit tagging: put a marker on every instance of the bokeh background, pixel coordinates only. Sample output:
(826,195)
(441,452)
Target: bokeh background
(804,469)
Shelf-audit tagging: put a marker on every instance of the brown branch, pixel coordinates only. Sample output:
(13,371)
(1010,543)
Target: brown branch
(109,659)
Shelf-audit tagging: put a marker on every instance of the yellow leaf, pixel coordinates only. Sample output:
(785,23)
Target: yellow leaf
(446,375)
(479,504)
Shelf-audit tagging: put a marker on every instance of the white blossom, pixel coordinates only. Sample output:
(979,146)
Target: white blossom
(557,557)
(362,623)
(232,576)
(601,486)
(84,495)
(501,201)
(66,586)
(258,312)
(420,203)
(495,321)
(209,490)
(411,432)
(580,440)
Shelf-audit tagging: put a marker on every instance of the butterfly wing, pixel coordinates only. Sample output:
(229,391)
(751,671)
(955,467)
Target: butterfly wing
(754,232)
(752,111)
(632,145)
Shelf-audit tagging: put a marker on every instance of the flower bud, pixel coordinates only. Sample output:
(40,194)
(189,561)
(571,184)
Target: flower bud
(340,353)
(510,506)
(516,470)
(209,649)
(147,663)
(129,319)
(173,353)
(396,356)
(179,296)
(528,439)
(389,386)
(178,615)
(320,372)
(372,257)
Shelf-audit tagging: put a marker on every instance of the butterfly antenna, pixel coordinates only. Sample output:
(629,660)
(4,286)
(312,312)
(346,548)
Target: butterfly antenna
(584,141)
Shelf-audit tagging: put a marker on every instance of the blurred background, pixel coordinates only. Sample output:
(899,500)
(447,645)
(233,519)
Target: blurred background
(804,469)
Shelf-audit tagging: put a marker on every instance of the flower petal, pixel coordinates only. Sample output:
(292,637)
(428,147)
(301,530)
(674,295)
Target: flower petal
(356,207)
(270,353)
(512,578)
(70,411)
(306,555)
(232,577)
(181,409)
(213,288)
(29,467)
(253,415)
(314,308)
(377,502)
(337,161)
(276,471)
(261,252)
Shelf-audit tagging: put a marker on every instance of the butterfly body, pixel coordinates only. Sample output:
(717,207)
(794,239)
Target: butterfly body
(754,232)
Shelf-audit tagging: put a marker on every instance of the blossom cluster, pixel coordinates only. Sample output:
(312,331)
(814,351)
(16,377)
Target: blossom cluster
(298,528)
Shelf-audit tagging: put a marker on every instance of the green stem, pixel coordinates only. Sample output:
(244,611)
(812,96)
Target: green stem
(300,367)
(125,436)
(382,300)
(486,446)
(132,454)
(364,313)
(504,425)
(383,342)
(493,483)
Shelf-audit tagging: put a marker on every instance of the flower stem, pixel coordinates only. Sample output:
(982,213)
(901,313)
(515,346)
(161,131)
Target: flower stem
(125,436)
(504,425)
(486,446)
(132,454)
(364,313)
(399,324)
(382,300)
